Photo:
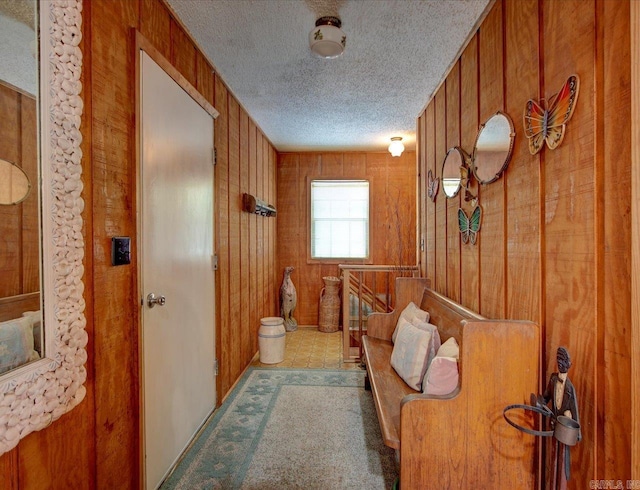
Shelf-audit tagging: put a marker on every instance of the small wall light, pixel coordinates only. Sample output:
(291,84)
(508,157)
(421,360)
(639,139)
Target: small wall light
(396,147)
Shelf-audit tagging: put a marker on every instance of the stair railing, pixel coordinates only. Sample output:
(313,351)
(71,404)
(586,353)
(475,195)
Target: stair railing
(365,289)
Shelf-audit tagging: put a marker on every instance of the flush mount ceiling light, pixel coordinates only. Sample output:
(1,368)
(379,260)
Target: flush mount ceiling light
(396,147)
(326,39)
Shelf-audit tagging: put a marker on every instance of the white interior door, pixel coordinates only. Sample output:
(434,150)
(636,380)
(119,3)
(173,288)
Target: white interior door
(176,249)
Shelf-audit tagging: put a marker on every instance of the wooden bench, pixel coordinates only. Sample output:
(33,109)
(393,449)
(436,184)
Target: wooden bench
(460,440)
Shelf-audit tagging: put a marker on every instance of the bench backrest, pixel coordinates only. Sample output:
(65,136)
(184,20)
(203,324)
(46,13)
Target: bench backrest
(446,314)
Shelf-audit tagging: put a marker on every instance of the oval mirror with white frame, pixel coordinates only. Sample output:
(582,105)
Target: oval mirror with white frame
(451,177)
(35,394)
(493,148)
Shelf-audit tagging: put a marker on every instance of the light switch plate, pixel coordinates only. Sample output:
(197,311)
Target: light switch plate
(120,250)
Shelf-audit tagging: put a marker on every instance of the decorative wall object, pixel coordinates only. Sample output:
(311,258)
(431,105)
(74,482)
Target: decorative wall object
(546,121)
(14,184)
(35,395)
(433,185)
(288,301)
(562,420)
(454,168)
(254,205)
(493,148)
(470,226)
(329,317)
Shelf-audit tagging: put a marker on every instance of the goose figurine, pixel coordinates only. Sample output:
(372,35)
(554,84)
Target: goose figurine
(288,300)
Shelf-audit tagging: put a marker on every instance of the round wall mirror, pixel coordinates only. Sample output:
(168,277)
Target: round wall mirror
(451,171)
(14,183)
(493,148)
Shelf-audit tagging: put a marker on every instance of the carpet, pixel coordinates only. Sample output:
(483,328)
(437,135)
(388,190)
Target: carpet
(290,429)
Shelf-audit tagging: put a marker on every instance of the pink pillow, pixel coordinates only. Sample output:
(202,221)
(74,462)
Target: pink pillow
(442,376)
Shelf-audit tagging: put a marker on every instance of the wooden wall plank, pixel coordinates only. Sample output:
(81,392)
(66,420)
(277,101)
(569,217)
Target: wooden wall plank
(491,99)
(10,220)
(115,316)
(635,239)
(522,177)
(254,318)
(291,232)
(259,293)
(523,174)
(235,208)
(223,326)
(204,78)
(245,265)
(470,255)
(274,307)
(30,246)
(306,275)
(616,240)
(431,165)
(183,53)
(422,192)
(155,25)
(453,231)
(440,277)
(266,151)
(332,165)
(570,262)
(401,201)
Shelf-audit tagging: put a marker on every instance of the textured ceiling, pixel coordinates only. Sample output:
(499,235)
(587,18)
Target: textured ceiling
(397,53)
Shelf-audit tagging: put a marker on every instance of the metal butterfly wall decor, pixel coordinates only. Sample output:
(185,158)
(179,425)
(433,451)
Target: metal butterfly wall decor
(432,186)
(547,121)
(465,182)
(469,226)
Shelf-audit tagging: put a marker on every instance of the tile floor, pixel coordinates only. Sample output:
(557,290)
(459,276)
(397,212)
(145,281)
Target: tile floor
(307,347)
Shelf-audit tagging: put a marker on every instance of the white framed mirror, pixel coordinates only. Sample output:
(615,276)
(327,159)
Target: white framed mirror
(34,395)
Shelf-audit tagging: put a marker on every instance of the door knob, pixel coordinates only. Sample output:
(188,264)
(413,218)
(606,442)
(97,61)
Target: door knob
(153,300)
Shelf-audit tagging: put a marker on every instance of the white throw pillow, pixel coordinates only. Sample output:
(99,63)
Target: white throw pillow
(409,356)
(16,343)
(442,376)
(449,349)
(411,314)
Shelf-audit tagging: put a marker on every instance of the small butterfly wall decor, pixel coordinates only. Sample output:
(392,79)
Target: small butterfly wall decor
(469,226)
(432,186)
(547,121)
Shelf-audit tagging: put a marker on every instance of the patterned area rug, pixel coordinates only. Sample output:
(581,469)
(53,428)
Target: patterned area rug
(290,429)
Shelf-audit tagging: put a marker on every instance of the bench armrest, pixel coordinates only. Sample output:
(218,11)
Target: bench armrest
(463,441)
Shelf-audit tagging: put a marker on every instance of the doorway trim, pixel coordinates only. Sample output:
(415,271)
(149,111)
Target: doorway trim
(141,43)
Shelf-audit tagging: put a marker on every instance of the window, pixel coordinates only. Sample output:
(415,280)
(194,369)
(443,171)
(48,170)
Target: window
(339,219)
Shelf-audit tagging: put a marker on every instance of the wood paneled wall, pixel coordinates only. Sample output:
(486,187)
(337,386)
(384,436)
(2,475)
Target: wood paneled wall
(555,242)
(393,189)
(19,237)
(97,445)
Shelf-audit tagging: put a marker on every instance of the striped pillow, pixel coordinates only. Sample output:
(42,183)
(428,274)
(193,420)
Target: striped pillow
(411,314)
(410,354)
